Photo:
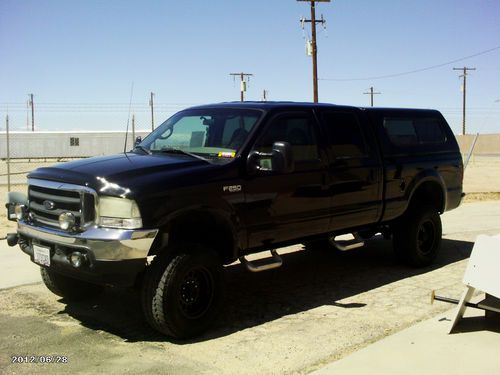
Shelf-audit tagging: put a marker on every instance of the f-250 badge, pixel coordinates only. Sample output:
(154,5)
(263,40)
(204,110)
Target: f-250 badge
(231,188)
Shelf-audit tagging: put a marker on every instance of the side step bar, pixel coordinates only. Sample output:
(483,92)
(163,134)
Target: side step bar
(345,245)
(260,265)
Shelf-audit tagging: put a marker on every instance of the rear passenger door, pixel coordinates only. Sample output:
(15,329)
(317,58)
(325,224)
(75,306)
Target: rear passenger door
(354,169)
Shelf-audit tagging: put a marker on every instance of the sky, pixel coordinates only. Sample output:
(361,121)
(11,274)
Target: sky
(82,59)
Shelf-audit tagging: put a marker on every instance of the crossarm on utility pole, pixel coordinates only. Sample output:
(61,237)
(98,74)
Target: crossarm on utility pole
(242,76)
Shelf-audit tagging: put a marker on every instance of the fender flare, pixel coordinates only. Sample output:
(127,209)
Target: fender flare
(226,218)
(426,176)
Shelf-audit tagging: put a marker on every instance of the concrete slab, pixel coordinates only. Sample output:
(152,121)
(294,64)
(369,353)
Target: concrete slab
(17,269)
(427,348)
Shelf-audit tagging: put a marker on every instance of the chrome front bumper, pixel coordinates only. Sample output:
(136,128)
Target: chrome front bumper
(105,244)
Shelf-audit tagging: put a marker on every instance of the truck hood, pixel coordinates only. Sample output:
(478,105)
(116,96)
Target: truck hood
(127,170)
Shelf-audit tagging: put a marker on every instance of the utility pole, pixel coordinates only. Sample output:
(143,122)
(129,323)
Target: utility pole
(32,104)
(151,104)
(8,151)
(27,115)
(314,46)
(371,93)
(243,83)
(264,95)
(464,76)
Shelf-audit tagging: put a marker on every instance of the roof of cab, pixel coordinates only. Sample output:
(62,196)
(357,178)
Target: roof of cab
(268,105)
(290,104)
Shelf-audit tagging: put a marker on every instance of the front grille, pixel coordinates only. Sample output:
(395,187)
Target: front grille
(48,200)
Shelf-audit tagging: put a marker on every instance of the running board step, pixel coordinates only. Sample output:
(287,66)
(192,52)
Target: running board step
(346,245)
(265,264)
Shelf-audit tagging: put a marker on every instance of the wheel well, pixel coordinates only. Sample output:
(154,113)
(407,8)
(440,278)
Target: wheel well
(202,228)
(430,193)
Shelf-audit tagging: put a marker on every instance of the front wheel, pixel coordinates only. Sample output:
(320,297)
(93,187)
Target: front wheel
(182,291)
(68,288)
(417,236)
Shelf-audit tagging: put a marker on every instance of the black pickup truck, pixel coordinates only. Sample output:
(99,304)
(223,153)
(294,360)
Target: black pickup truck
(215,183)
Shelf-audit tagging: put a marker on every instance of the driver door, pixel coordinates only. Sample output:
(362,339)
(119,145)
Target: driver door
(280,207)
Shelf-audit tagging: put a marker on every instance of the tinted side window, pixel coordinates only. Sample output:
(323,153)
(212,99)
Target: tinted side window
(296,130)
(344,135)
(414,131)
(237,124)
(429,130)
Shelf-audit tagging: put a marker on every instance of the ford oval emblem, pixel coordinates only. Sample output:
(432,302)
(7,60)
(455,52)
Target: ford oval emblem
(49,205)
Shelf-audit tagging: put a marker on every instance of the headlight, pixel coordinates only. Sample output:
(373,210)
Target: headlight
(19,211)
(119,213)
(66,220)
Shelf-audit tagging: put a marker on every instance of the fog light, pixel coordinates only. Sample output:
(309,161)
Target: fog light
(76,259)
(20,211)
(66,220)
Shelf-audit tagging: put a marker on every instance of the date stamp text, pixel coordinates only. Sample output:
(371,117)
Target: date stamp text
(48,358)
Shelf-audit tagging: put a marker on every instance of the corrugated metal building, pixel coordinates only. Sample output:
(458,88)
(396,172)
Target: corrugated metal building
(58,144)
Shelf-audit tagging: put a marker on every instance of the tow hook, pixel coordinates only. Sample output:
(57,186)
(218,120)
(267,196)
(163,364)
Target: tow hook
(12,239)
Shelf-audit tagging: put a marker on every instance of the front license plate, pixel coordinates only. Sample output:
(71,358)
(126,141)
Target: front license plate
(41,255)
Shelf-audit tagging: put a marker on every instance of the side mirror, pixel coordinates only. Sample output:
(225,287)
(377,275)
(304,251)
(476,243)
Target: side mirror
(282,159)
(279,160)
(137,140)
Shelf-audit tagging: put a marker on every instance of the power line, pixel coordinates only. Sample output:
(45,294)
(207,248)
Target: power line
(412,71)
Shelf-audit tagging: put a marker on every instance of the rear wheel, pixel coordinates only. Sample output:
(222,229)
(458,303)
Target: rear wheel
(182,292)
(68,288)
(417,236)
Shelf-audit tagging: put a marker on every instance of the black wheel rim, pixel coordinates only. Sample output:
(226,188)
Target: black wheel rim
(426,236)
(196,292)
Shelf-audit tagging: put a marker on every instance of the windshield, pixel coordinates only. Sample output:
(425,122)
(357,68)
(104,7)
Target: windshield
(210,133)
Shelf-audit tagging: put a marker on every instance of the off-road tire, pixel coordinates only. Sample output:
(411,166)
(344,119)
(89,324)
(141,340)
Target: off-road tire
(417,236)
(68,288)
(182,291)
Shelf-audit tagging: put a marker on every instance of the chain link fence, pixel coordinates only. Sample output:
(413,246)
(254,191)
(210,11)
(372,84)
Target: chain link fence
(22,152)
(14,171)
(27,151)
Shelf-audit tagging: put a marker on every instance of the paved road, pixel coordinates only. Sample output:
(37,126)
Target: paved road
(315,309)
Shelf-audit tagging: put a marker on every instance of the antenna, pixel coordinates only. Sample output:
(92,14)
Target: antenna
(128,119)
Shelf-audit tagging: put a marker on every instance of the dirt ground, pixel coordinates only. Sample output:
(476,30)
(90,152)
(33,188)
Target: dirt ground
(482,175)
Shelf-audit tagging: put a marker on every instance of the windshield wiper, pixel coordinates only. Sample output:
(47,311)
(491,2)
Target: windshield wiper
(143,149)
(170,150)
